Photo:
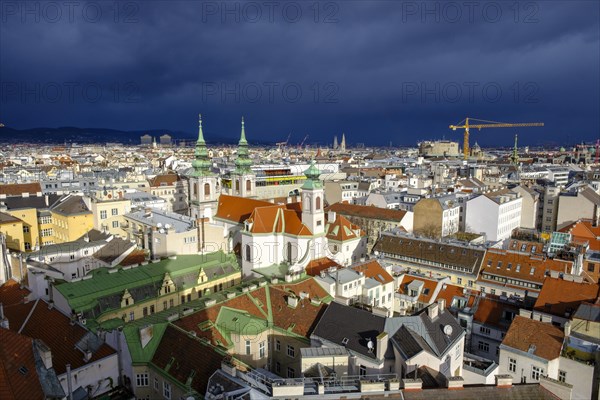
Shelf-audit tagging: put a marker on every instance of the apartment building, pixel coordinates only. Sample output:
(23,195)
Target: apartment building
(173,188)
(436,217)
(494,215)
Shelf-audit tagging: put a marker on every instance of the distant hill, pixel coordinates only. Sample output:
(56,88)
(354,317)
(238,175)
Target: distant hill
(89,135)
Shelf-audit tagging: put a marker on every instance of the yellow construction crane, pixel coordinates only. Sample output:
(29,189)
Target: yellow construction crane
(465,123)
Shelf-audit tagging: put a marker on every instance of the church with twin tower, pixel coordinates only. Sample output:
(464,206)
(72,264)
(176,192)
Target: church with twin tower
(205,185)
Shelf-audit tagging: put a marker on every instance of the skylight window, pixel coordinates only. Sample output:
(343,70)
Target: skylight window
(345,341)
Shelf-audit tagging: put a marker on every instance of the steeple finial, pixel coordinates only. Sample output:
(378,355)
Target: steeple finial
(243,135)
(200,133)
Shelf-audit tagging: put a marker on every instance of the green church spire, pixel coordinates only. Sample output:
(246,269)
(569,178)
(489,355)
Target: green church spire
(515,153)
(201,163)
(243,162)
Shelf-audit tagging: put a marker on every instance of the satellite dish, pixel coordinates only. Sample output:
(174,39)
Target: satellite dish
(167,226)
(448,330)
(370,345)
(161,230)
(159,225)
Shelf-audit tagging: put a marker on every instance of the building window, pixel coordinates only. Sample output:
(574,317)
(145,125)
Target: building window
(291,373)
(248,253)
(261,350)
(536,372)
(591,267)
(562,375)
(171,302)
(25,229)
(512,365)
(141,379)
(459,281)
(114,211)
(248,349)
(318,203)
(362,370)
(156,384)
(103,214)
(291,352)
(248,185)
(164,305)
(484,346)
(152,309)
(145,312)
(207,189)
(115,224)
(131,316)
(277,345)
(484,330)
(27,245)
(166,390)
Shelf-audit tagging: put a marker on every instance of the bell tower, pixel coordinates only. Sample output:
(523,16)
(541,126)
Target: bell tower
(313,215)
(204,187)
(243,178)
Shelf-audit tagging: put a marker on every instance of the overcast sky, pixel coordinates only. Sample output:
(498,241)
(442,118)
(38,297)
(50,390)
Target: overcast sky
(379,71)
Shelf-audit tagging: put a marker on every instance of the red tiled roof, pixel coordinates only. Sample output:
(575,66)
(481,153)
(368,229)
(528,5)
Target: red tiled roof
(315,267)
(55,330)
(16,352)
(183,356)
(164,180)
(559,296)
(16,189)
(490,311)
(371,212)
(427,284)
(341,229)
(15,303)
(584,230)
(276,219)
(237,209)
(546,338)
(372,269)
(449,292)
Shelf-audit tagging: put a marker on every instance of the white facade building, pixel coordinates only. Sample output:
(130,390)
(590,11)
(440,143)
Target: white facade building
(495,215)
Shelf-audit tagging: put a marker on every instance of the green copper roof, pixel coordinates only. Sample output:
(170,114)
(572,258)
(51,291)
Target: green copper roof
(139,354)
(312,177)
(84,295)
(243,162)
(201,164)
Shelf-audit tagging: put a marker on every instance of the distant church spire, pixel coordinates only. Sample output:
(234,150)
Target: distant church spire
(343,144)
(515,153)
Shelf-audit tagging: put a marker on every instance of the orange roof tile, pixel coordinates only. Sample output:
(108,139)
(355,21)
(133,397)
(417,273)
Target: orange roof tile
(372,269)
(490,311)
(315,267)
(16,352)
(559,296)
(342,229)
(237,209)
(429,286)
(525,332)
(584,230)
(15,303)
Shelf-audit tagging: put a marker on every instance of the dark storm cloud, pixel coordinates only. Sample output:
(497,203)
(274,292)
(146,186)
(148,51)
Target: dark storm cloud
(377,70)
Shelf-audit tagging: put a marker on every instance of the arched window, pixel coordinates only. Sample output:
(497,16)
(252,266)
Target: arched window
(318,201)
(289,252)
(195,189)
(237,186)
(248,253)
(207,189)
(248,185)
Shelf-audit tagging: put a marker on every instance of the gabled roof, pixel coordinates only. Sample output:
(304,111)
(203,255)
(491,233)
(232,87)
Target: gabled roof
(55,330)
(277,219)
(70,205)
(546,339)
(342,230)
(372,269)
(187,359)
(350,327)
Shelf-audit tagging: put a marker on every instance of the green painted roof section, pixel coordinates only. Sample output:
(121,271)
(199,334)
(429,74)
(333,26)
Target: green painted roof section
(82,295)
(138,353)
(231,321)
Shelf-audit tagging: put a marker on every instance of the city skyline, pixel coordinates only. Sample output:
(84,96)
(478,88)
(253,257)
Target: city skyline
(409,72)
